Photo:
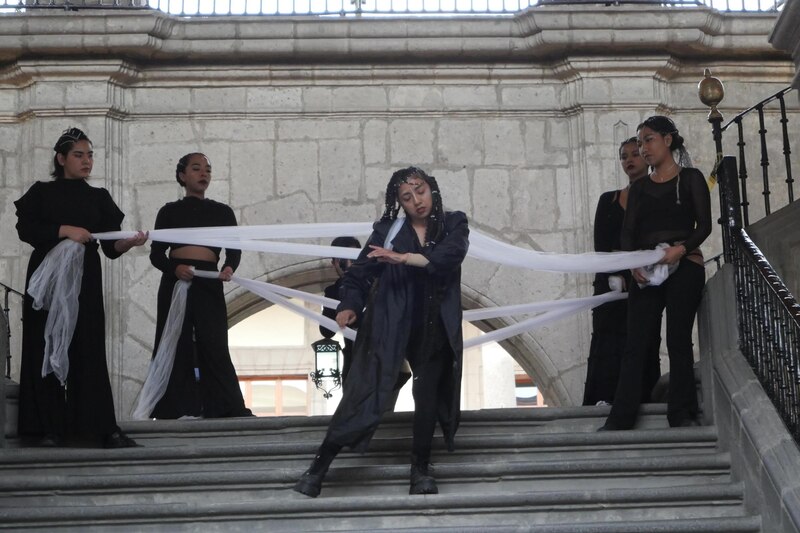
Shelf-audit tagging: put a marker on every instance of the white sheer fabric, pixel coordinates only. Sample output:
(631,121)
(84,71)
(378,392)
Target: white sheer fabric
(55,286)
(481,246)
(161,366)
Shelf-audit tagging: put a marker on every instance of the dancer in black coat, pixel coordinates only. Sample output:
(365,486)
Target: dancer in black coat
(407,285)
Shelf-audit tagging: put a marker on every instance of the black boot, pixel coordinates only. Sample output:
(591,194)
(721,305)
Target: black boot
(422,481)
(310,483)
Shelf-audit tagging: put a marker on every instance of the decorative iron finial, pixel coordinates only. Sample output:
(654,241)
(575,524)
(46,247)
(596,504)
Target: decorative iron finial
(711,92)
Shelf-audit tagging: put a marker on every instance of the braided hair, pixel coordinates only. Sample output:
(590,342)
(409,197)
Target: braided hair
(182,162)
(665,126)
(63,145)
(435,225)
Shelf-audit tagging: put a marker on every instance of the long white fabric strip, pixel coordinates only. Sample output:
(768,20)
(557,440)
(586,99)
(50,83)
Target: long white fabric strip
(55,286)
(522,309)
(160,368)
(265,291)
(481,247)
(547,317)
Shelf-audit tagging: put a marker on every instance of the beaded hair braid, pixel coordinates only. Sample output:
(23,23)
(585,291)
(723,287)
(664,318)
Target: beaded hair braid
(435,226)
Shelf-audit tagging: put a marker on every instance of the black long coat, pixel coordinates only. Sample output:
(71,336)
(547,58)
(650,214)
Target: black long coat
(387,294)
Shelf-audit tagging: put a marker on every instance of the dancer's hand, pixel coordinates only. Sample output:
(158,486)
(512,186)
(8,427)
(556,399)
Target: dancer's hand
(673,254)
(638,276)
(226,273)
(184,272)
(123,245)
(345,317)
(387,256)
(75,233)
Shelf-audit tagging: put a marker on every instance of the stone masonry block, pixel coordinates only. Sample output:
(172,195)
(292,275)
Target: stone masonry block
(340,169)
(296,168)
(219,98)
(374,140)
(357,98)
(415,97)
(503,143)
(160,100)
(290,209)
(411,142)
(455,186)
(252,176)
(317,99)
(239,130)
(160,132)
(460,142)
(274,99)
(490,196)
(533,194)
(86,94)
(543,97)
(472,97)
(375,180)
(318,129)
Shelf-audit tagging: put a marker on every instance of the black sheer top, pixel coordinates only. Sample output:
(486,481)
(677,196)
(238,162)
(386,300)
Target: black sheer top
(191,212)
(673,211)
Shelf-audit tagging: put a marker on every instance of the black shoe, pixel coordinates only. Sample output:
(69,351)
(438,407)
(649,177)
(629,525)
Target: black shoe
(118,439)
(309,484)
(608,426)
(422,481)
(688,423)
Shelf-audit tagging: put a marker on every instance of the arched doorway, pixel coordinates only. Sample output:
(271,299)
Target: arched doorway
(270,347)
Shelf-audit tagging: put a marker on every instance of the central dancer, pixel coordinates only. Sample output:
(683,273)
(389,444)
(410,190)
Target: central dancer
(407,285)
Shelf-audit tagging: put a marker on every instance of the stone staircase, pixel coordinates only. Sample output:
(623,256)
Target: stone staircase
(538,470)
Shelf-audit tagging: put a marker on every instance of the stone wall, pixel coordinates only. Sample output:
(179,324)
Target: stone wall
(304,119)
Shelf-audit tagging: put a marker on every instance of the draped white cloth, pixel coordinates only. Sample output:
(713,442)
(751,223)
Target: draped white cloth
(268,238)
(482,246)
(55,286)
(155,385)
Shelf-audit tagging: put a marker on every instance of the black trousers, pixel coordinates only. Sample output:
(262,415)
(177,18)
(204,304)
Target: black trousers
(203,343)
(607,350)
(680,295)
(429,367)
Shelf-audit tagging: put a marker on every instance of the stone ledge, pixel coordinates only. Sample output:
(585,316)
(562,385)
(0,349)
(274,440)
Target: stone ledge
(536,34)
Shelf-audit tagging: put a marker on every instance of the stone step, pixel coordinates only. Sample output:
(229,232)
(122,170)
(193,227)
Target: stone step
(295,512)
(196,483)
(535,447)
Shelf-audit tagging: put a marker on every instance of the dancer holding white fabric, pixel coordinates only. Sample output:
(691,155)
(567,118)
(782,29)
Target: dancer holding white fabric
(672,205)
(203,381)
(82,409)
(407,285)
(609,321)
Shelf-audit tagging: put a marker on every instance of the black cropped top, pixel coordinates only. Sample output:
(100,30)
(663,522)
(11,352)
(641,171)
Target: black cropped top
(678,210)
(191,212)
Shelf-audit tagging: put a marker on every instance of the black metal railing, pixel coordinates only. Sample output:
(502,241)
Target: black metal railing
(768,314)
(7,291)
(189,8)
(758,112)
(769,329)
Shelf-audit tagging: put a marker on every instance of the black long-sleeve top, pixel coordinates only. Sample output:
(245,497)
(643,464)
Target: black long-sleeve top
(48,205)
(191,212)
(607,233)
(678,210)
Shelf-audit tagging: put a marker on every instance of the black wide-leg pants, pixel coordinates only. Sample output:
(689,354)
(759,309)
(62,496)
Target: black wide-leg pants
(680,295)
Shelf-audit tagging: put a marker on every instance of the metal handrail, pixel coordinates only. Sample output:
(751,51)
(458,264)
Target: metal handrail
(769,329)
(6,311)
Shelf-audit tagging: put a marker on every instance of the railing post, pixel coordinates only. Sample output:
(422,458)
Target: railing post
(711,92)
